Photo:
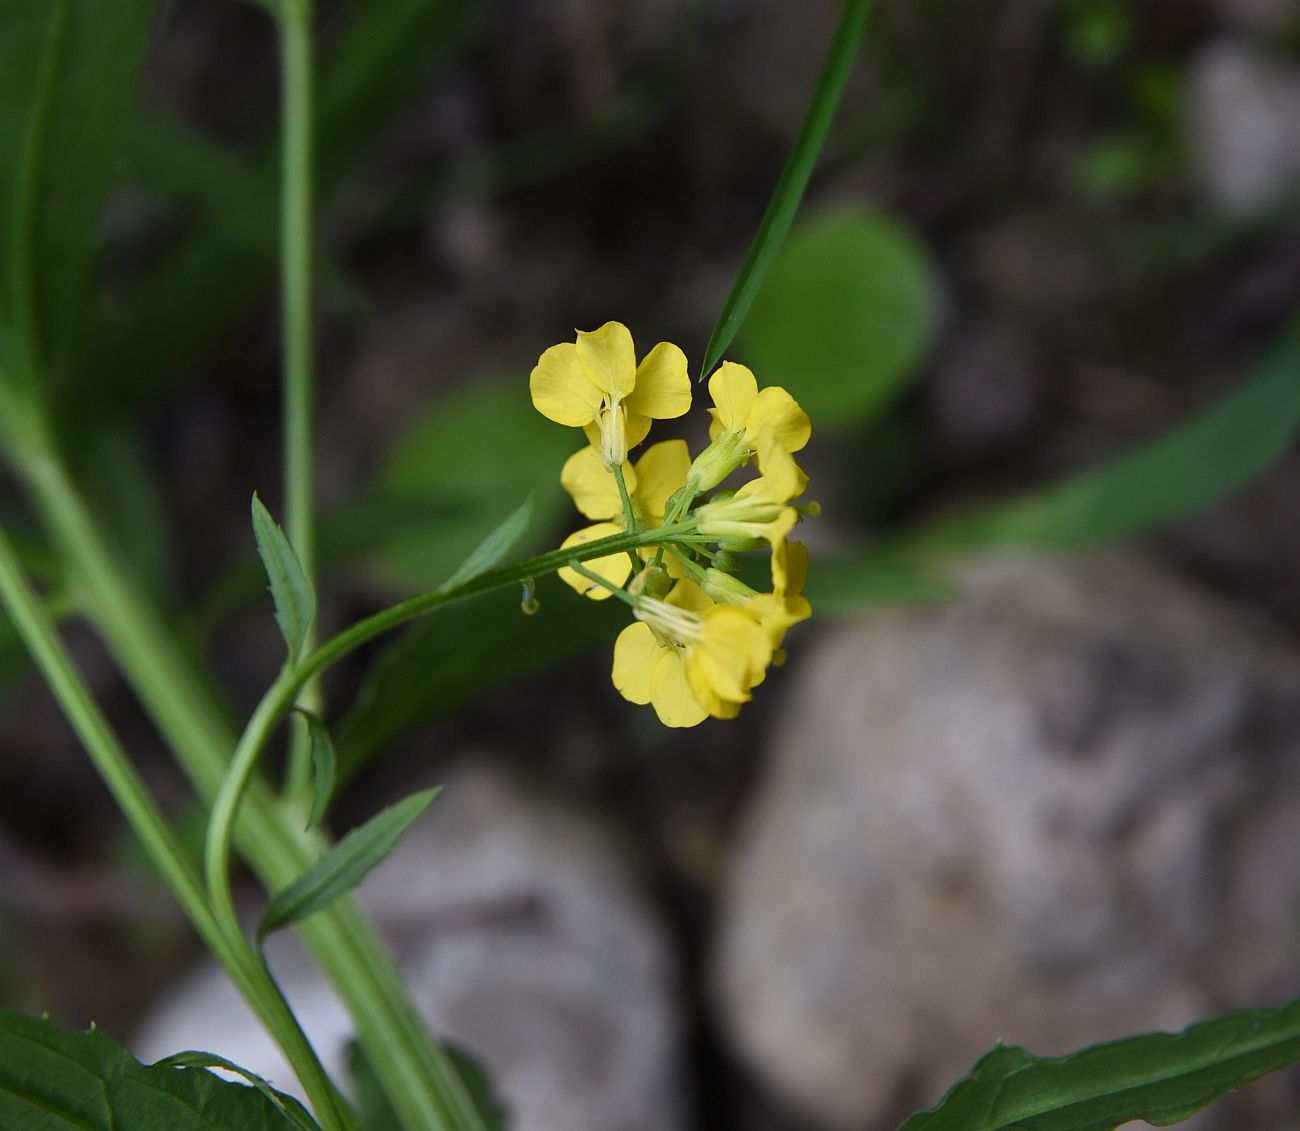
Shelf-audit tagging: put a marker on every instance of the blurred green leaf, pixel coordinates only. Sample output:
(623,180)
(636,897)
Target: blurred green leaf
(781,209)
(55,1080)
(1225,446)
(1097,33)
(450,658)
(67,82)
(848,312)
(844,584)
(324,766)
(345,864)
(292,593)
(296,1113)
(1162,1078)
(376,1113)
(485,448)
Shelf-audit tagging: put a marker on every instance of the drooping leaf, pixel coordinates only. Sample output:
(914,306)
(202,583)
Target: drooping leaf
(848,311)
(291,1107)
(324,766)
(295,600)
(794,178)
(376,1113)
(55,1080)
(1162,1078)
(67,83)
(344,865)
(496,545)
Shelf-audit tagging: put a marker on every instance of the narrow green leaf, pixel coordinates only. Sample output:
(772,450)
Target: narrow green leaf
(345,865)
(496,545)
(793,180)
(324,766)
(1222,448)
(1162,1078)
(67,84)
(55,1080)
(849,310)
(292,1108)
(295,600)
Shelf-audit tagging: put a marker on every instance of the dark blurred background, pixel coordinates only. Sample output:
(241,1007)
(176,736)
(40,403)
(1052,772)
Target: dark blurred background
(1056,804)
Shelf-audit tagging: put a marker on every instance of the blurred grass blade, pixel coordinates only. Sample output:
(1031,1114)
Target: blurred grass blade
(324,766)
(794,179)
(496,545)
(294,598)
(344,865)
(1224,447)
(67,83)
(1162,1078)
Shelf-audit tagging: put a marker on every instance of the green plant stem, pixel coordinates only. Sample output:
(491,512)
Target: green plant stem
(294,20)
(633,524)
(37,630)
(415,1071)
(614,590)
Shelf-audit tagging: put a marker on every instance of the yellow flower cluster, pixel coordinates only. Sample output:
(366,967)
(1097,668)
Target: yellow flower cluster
(702,639)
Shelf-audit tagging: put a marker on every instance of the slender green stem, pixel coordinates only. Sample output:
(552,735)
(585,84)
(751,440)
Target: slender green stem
(631,521)
(614,590)
(294,19)
(37,630)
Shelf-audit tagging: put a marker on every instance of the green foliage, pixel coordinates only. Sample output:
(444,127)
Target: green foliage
(324,766)
(345,864)
(376,1113)
(472,456)
(1219,450)
(292,593)
(794,178)
(67,81)
(299,1115)
(1162,1078)
(499,542)
(54,1080)
(846,315)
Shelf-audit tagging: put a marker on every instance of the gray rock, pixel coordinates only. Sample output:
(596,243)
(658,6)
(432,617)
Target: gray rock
(1058,809)
(1264,16)
(1243,118)
(523,939)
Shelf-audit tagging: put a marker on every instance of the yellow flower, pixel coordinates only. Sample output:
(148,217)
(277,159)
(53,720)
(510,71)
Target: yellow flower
(785,605)
(690,658)
(741,413)
(659,472)
(760,508)
(595,384)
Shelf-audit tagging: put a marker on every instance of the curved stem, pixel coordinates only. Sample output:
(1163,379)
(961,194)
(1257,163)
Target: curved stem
(631,523)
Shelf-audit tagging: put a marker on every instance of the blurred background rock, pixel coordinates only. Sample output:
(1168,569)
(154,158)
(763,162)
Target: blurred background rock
(1056,807)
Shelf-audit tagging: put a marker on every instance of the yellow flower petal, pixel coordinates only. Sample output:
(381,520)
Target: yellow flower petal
(732,655)
(687,595)
(733,389)
(609,358)
(613,567)
(561,389)
(636,652)
(782,479)
(789,568)
(776,409)
(594,489)
(671,696)
(663,385)
(636,428)
(660,472)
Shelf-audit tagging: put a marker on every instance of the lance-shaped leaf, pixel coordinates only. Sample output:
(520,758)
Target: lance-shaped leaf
(295,600)
(789,190)
(1162,1078)
(293,1110)
(55,1080)
(345,865)
(495,546)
